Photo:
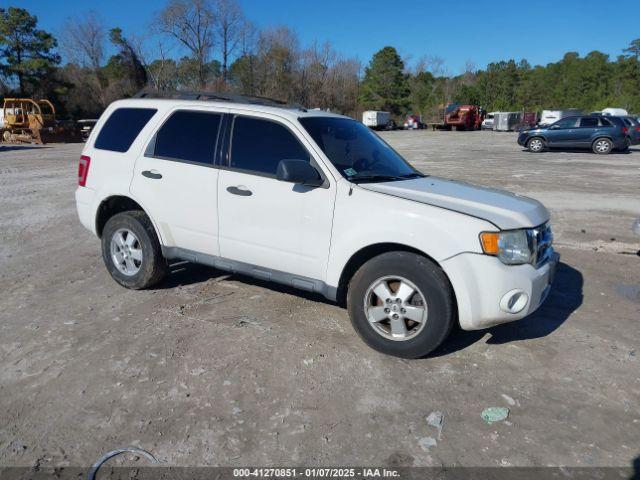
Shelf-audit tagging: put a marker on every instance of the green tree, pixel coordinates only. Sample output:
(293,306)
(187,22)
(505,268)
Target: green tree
(633,50)
(127,59)
(27,52)
(422,87)
(385,85)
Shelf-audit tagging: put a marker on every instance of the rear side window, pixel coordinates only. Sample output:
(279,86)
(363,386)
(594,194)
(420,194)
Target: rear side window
(605,123)
(259,145)
(589,122)
(189,136)
(122,127)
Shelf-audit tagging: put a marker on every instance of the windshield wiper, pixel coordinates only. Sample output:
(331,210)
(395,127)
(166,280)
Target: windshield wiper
(374,178)
(384,178)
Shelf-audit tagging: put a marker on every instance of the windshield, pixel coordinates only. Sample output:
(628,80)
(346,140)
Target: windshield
(358,153)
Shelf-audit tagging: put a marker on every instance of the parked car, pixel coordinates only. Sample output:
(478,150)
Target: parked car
(414,122)
(315,201)
(633,124)
(597,133)
(85,126)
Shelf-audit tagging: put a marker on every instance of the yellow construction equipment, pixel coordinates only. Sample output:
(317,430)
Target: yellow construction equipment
(31,121)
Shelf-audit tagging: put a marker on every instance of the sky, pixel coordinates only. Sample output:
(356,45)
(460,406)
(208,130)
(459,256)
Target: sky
(457,31)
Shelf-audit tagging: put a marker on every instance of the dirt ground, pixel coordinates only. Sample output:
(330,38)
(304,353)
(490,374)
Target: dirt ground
(211,369)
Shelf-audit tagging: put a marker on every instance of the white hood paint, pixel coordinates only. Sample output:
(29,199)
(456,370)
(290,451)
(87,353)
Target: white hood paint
(504,209)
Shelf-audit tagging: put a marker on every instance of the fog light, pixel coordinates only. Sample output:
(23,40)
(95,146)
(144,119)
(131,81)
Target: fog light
(514,301)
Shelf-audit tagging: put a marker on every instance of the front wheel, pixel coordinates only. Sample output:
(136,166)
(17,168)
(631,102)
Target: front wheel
(535,145)
(131,251)
(401,304)
(602,146)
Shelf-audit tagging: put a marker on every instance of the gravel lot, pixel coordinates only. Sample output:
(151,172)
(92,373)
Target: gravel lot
(211,369)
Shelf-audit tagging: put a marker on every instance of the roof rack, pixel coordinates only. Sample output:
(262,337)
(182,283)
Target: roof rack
(218,96)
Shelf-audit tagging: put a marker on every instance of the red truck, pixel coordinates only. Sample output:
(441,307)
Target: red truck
(463,117)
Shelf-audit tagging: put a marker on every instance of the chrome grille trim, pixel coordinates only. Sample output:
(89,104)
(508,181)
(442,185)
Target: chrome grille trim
(541,241)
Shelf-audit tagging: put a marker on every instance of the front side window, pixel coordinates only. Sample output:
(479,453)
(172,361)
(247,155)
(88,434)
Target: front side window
(189,136)
(357,152)
(258,145)
(122,127)
(568,122)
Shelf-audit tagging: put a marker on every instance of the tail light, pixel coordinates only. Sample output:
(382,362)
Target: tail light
(637,129)
(83,170)
(625,130)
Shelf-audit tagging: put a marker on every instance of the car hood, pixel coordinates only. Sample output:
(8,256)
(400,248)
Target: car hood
(504,209)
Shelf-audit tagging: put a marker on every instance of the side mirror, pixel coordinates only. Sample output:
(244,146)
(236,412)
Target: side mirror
(298,171)
(554,127)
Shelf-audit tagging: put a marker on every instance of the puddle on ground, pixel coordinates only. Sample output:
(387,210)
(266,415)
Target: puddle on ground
(631,292)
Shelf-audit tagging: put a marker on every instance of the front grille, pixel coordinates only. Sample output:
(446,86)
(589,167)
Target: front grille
(542,239)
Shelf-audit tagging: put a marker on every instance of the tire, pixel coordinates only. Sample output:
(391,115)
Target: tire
(602,146)
(627,146)
(134,230)
(430,284)
(535,145)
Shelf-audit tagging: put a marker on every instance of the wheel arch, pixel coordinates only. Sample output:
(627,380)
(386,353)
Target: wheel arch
(537,135)
(113,205)
(595,138)
(365,254)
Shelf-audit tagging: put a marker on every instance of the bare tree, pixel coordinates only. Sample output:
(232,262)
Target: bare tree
(191,23)
(229,27)
(83,42)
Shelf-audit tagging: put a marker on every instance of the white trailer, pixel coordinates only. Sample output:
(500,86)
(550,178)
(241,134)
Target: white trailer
(506,121)
(375,119)
(615,112)
(552,116)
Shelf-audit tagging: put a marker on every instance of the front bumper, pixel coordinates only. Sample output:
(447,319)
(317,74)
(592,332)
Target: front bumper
(522,139)
(484,286)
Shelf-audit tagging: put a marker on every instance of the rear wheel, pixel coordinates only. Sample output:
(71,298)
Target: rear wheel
(602,146)
(535,145)
(131,251)
(401,304)
(627,146)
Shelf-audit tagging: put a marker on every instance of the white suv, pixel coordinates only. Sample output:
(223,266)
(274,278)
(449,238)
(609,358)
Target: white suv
(312,200)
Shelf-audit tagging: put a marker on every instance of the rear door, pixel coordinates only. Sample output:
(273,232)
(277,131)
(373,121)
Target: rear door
(587,128)
(176,179)
(263,221)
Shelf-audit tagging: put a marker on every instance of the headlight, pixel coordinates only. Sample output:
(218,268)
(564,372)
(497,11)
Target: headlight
(512,247)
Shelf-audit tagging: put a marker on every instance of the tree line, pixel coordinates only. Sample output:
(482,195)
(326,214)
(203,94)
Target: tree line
(211,45)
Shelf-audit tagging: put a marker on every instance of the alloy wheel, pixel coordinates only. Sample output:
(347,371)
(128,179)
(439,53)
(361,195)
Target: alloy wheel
(395,308)
(126,251)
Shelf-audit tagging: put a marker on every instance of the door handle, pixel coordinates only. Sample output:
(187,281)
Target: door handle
(152,174)
(239,191)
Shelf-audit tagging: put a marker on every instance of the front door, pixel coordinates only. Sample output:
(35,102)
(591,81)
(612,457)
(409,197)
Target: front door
(175,180)
(562,133)
(265,222)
